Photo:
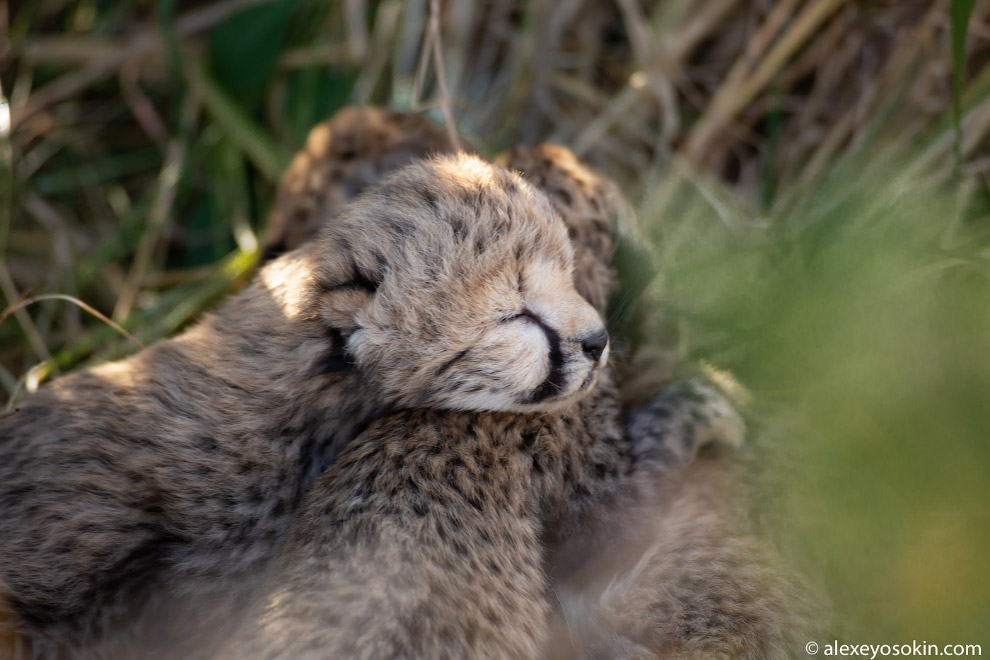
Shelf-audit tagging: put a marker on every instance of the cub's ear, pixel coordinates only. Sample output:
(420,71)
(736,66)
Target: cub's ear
(343,297)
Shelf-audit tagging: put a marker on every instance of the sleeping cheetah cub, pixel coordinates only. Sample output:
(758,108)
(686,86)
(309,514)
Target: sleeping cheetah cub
(425,538)
(143,490)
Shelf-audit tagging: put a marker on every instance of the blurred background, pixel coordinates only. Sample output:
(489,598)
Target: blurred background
(813,175)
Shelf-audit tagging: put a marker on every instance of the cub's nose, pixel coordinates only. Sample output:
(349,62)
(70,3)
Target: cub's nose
(594,344)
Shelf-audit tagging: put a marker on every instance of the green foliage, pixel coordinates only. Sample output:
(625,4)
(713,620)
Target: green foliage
(959,15)
(245,49)
(859,319)
(314,94)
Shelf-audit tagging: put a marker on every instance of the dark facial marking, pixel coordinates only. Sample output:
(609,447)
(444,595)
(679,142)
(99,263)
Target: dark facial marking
(554,382)
(359,280)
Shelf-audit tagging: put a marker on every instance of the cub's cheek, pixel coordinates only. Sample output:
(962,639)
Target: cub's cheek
(518,352)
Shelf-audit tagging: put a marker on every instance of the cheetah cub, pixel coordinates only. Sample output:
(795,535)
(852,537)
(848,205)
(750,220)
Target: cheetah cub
(425,538)
(674,573)
(139,498)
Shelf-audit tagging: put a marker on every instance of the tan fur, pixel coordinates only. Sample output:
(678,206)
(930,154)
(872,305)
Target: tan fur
(142,497)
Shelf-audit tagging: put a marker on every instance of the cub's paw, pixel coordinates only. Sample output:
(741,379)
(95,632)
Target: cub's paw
(680,420)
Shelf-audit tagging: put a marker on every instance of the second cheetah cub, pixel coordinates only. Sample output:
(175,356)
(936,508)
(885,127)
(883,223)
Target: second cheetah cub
(138,499)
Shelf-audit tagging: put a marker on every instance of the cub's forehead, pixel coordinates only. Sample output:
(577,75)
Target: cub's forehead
(456,203)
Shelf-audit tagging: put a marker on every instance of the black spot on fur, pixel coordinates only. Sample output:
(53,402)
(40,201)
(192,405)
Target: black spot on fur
(564,196)
(380,263)
(312,452)
(398,226)
(449,363)
(476,503)
(428,196)
(460,229)
(209,444)
(528,441)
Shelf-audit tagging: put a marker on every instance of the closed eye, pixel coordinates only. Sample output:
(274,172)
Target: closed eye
(363,285)
(524,315)
(359,280)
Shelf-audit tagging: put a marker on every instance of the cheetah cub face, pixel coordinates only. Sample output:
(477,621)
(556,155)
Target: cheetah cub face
(450,285)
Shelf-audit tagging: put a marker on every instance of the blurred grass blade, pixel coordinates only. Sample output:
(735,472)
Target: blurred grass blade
(160,319)
(245,49)
(267,155)
(75,301)
(960,13)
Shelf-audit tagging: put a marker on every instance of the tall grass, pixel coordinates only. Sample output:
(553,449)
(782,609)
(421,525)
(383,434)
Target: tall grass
(859,318)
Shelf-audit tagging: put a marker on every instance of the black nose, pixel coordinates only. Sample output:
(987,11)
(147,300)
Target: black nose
(593,345)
